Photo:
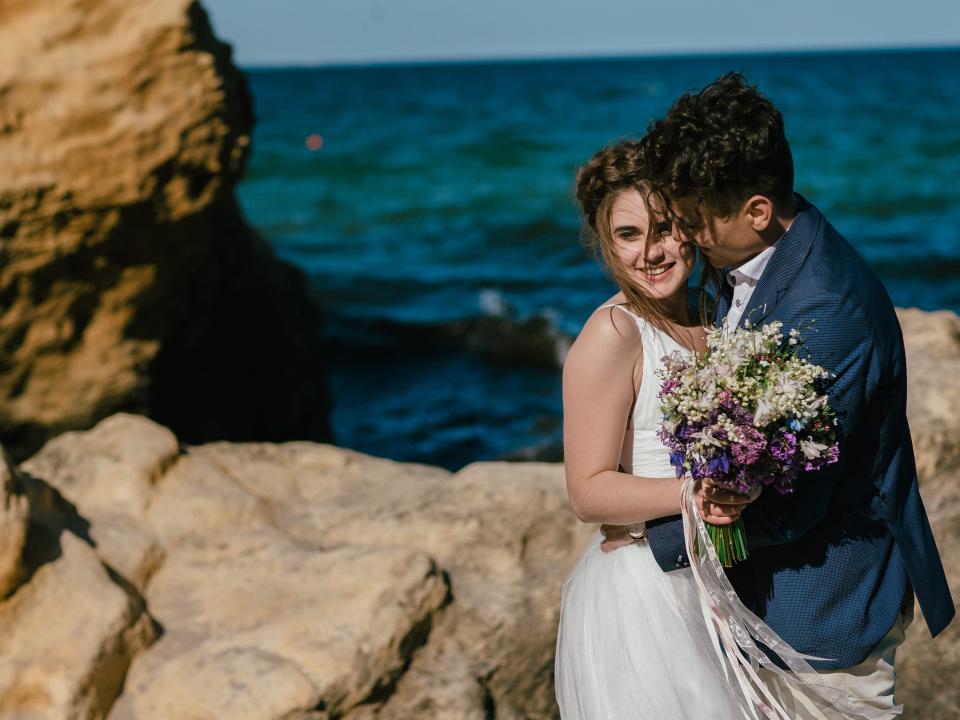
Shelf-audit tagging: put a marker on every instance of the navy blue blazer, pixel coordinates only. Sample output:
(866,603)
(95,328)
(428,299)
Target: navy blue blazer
(831,564)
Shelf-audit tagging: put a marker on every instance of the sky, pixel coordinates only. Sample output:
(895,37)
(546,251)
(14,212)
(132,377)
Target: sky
(318,32)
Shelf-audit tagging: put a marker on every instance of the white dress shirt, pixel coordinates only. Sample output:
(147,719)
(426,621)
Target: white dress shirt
(744,280)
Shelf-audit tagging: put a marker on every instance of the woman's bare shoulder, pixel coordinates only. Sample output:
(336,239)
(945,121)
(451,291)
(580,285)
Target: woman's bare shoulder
(610,336)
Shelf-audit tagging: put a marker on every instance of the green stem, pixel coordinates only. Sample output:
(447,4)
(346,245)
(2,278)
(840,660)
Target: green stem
(730,542)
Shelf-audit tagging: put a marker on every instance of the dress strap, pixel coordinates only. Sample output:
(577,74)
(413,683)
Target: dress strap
(641,322)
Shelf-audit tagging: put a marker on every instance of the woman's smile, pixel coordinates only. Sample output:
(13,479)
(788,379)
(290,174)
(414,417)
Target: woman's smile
(657,273)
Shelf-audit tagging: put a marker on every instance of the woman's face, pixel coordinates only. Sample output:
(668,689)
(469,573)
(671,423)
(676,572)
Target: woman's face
(658,268)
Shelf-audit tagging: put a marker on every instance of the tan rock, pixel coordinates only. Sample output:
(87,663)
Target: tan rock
(927,668)
(14,516)
(505,534)
(108,475)
(197,498)
(331,626)
(220,680)
(130,279)
(111,468)
(933,400)
(330,569)
(312,489)
(67,637)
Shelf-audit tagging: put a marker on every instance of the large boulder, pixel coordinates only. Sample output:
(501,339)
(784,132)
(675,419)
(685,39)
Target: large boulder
(299,580)
(68,634)
(129,278)
(381,589)
(927,668)
(14,516)
(107,476)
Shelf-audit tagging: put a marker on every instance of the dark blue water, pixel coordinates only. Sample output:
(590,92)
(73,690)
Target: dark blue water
(438,227)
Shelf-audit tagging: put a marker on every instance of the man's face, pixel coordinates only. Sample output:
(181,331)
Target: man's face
(725,242)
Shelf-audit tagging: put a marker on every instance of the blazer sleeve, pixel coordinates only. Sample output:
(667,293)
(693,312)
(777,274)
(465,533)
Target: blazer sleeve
(665,536)
(842,340)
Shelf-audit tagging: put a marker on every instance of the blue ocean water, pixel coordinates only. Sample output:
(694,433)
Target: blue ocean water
(438,226)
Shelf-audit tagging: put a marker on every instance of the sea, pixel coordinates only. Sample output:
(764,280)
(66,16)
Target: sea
(431,206)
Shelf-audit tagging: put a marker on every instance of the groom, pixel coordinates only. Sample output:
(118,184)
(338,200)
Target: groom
(834,566)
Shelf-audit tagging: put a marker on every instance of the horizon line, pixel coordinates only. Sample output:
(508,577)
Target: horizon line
(665,55)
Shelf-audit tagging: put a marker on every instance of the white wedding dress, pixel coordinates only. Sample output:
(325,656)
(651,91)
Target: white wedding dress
(633,641)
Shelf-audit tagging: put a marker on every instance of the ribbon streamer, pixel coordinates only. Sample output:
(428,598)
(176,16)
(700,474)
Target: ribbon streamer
(739,630)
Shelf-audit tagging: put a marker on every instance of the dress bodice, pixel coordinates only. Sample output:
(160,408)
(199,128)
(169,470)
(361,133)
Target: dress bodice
(643,453)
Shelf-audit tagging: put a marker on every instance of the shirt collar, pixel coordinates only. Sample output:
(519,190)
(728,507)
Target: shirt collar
(751,270)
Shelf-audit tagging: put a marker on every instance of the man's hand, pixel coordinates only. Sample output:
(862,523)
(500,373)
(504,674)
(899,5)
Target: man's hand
(615,536)
(721,507)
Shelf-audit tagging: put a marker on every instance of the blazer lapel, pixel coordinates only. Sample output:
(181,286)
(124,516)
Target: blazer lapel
(723,304)
(791,250)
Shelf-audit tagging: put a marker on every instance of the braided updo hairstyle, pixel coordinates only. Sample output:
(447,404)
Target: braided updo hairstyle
(615,169)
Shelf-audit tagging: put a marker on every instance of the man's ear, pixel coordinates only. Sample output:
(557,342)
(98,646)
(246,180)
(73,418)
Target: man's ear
(758,211)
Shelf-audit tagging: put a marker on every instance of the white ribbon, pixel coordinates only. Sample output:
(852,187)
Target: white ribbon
(739,630)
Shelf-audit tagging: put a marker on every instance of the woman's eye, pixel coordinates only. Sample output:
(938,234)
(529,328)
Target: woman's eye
(664,227)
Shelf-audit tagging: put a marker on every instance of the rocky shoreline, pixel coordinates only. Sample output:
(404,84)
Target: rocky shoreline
(174,543)
(130,280)
(145,579)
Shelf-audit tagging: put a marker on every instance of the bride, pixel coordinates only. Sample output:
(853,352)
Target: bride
(633,641)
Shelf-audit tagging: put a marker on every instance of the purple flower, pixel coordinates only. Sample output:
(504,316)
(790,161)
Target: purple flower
(748,450)
(833,454)
(719,464)
(676,459)
(669,386)
(784,448)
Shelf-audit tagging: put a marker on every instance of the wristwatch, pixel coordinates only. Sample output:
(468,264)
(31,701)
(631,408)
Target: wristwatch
(638,531)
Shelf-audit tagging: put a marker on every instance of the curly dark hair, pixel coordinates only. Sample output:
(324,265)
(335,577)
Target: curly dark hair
(720,146)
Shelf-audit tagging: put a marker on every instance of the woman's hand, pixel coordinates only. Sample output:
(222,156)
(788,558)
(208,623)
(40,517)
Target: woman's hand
(614,536)
(719,506)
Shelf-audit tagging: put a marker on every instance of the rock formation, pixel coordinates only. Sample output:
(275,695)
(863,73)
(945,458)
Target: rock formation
(300,581)
(13,525)
(288,581)
(927,669)
(129,280)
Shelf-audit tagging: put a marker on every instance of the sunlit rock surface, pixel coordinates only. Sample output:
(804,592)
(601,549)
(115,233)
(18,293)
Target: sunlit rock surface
(129,280)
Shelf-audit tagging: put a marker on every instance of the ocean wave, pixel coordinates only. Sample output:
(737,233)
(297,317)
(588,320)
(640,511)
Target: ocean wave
(496,335)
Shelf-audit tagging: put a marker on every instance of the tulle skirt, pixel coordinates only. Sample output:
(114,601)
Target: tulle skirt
(633,642)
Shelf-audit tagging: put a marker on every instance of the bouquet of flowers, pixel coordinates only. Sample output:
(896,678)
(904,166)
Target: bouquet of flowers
(746,414)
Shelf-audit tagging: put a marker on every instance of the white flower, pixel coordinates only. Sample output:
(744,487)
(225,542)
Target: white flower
(706,437)
(812,450)
(671,426)
(789,386)
(766,411)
